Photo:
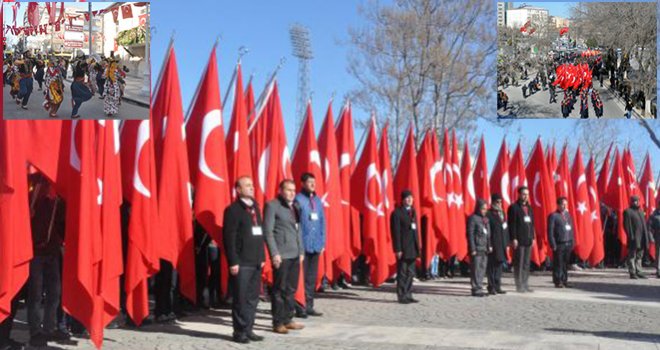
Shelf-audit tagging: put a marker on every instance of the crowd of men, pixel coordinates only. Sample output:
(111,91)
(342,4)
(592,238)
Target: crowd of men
(90,75)
(291,231)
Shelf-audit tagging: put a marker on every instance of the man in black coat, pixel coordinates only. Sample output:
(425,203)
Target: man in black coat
(560,238)
(406,246)
(499,240)
(478,236)
(521,230)
(244,243)
(634,223)
(654,226)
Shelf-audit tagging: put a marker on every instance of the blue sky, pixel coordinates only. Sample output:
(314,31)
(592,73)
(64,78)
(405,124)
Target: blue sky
(262,27)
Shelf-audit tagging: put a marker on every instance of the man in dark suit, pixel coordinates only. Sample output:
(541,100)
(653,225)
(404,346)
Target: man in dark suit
(560,238)
(634,223)
(406,246)
(521,229)
(244,243)
(499,238)
(478,236)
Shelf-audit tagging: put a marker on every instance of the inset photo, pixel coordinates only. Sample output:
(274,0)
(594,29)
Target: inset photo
(577,60)
(75,60)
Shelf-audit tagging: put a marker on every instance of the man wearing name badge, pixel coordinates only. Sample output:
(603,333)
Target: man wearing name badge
(406,246)
(521,231)
(282,232)
(312,225)
(244,243)
(560,237)
(634,223)
(499,239)
(478,236)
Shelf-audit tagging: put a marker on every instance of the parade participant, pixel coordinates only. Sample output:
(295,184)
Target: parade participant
(584,104)
(54,92)
(244,245)
(25,69)
(112,89)
(312,223)
(403,227)
(479,245)
(79,91)
(521,230)
(629,107)
(39,76)
(553,94)
(14,79)
(91,73)
(565,106)
(560,238)
(285,245)
(634,224)
(499,240)
(654,226)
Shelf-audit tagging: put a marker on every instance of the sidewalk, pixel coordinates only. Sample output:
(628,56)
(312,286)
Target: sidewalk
(132,91)
(637,112)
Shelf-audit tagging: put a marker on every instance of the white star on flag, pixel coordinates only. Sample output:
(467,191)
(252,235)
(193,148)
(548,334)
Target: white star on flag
(582,207)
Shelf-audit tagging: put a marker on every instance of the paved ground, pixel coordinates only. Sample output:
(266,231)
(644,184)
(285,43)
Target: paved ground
(537,106)
(605,310)
(92,109)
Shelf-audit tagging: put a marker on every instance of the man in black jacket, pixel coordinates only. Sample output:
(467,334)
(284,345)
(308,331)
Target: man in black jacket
(244,243)
(499,240)
(654,226)
(634,223)
(478,236)
(406,246)
(521,229)
(560,238)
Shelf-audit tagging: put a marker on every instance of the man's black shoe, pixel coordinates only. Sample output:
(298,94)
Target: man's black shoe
(314,313)
(492,291)
(404,301)
(254,337)
(641,276)
(242,339)
(301,314)
(499,291)
(59,335)
(39,340)
(633,277)
(413,300)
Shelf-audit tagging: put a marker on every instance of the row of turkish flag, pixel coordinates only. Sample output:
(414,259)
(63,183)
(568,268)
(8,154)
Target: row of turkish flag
(155,164)
(572,76)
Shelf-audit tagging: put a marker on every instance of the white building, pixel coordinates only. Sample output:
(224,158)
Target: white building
(502,7)
(516,18)
(559,22)
(131,55)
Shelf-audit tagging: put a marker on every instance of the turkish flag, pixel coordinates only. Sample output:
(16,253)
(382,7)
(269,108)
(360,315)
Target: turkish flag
(630,177)
(453,214)
(388,199)
(237,142)
(407,178)
(115,14)
(307,159)
(126,11)
(603,176)
(598,251)
(141,190)
(542,200)
(45,145)
(461,237)
(208,160)
(517,172)
(249,101)
(206,153)
(480,174)
(15,232)
(83,238)
(346,151)
(467,175)
(367,197)
(433,199)
(174,188)
(109,179)
(499,178)
(647,187)
(616,198)
(551,163)
(337,239)
(584,237)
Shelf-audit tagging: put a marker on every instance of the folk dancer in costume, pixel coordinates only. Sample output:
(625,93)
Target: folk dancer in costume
(54,91)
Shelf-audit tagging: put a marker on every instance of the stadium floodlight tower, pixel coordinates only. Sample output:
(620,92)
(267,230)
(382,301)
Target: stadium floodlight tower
(302,49)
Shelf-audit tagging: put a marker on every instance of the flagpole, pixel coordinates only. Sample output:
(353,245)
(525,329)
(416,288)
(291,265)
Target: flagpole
(162,68)
(262,98)
(241,52)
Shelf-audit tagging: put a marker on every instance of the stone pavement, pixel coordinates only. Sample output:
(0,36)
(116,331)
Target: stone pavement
(605,310)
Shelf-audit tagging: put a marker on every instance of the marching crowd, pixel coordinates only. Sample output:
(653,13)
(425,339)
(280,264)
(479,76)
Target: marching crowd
(91,74)
(291,232)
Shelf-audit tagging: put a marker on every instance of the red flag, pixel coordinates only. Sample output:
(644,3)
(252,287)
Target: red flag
(615,197)
(542,200)
(237,142)
(208,160)
(126,11)
(15,233)
(337,239)
(115,14)
(481,184)
(45,145)
(346,151)
(407,177)
(109,178)
(517,172)
(367,197)
(139,166)
(551,160)
(630,178)
(603,176)
(206,153)
(583,233)
(499,178)
(598,252)
(468,181)
(83,240)
(647,187)
(461,238)
(174,195)
(453,214)
(388,199)
(249,102)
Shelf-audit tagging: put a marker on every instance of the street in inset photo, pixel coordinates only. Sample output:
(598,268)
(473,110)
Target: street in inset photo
(576,60)
(67,60)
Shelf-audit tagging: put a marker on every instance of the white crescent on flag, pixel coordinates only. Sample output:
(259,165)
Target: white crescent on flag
(433,173)
(372,172)
(211,121)
(74,158)
(143,137)
(537,180)
(263,163)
